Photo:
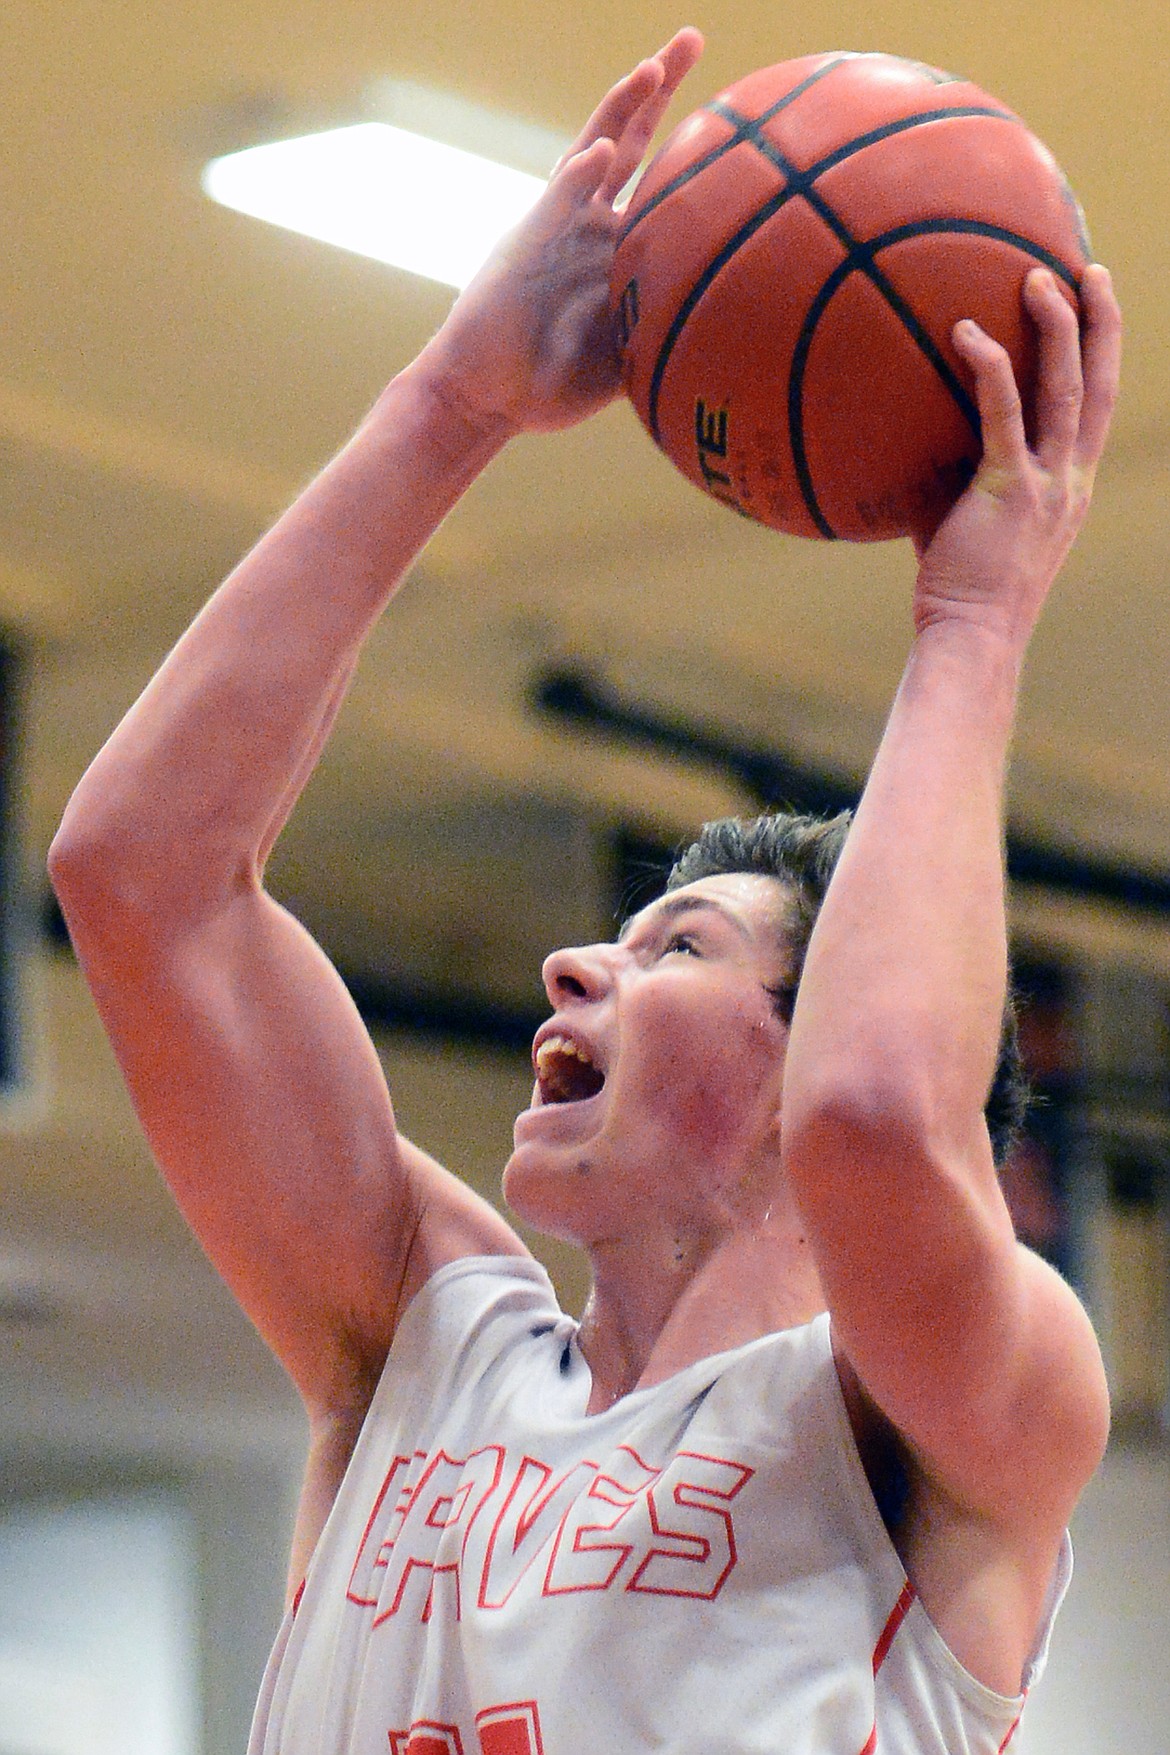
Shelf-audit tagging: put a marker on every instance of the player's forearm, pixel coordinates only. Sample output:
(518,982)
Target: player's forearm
(200,774)
(901,999)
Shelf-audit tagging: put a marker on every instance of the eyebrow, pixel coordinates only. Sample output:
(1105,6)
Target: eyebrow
(670,907)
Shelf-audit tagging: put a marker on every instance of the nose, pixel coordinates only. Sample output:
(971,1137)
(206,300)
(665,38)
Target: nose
(578,973)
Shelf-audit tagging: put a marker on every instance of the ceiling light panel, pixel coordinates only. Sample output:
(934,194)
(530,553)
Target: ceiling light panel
(417,197)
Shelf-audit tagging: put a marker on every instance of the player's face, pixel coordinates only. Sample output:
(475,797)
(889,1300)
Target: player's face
(658,1076)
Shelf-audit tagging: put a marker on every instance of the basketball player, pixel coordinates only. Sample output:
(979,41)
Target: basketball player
(799,1480)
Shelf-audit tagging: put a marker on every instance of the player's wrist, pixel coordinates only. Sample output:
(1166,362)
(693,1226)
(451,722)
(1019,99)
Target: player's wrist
(460,417)
(977,642)
(1000,613)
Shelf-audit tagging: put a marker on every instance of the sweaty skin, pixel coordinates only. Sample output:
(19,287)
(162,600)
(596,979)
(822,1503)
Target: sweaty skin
(732,1175)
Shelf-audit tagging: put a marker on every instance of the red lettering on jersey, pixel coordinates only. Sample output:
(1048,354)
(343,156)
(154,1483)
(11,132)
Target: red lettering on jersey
(372,1548)
(417,1580)
(525,1524)
(677,1537)
(427,1509)
(578,1560)
(425,1737)
(695,1547)
(510,1730)
(438,1504)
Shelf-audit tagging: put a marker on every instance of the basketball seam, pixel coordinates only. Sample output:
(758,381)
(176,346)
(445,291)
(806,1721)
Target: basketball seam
(857,259)
(982,228)
(716,152)
(859,254)
(888,129)
(713,268)
(797,182)
(745,125)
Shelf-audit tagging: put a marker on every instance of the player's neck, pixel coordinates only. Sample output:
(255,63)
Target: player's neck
(659,1305)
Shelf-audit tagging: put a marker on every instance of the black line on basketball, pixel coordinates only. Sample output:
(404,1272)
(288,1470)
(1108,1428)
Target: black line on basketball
(740,124)
(861,141)
(1078,217)
(860,254)
(935,75)
(800,182)
(714,267)
(800,355)
(860,259)
(979,228)
(749,129)
(920,336)
(793,186)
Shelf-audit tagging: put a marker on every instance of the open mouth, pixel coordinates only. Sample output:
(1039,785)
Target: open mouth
(565,1073)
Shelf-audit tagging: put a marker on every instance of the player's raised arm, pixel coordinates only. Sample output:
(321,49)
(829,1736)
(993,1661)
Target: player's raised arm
(980,1356)
(254,1079)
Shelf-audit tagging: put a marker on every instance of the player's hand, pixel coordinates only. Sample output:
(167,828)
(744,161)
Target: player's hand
(530,344)
(995,555)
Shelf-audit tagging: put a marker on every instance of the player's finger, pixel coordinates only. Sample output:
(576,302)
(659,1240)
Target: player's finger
(617,108)
(676,61)
(1005,446)
(1101,350)
(1059,388)
(575,182)
(581,172)
(677,57)
(662,72)
(631,143)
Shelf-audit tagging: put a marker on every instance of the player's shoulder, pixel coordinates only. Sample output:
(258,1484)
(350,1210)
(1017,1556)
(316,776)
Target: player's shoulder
(430,1219)
(453,1222)
(1042,1430)
(1016,1454)
(1063,1397)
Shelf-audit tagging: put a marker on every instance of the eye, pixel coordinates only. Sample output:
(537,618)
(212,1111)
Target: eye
(683,942)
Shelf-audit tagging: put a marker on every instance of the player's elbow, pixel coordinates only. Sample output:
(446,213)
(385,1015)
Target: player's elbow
(1066,1395)
(94,882)
(122,885)
(902,1143)
(102,832)
(81,858)
(868,1112)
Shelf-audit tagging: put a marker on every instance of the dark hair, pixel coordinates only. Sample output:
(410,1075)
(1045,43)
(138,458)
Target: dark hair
(802,852)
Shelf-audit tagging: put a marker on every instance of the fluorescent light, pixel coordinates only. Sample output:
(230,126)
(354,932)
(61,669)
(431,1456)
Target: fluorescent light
(382,191)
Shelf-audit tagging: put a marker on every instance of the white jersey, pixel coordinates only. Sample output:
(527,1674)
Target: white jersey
(702,1567)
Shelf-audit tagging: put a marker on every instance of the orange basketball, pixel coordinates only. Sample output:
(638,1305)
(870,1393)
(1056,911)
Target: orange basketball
(791,268)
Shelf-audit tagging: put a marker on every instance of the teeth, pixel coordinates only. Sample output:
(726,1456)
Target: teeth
(556,1047)
(565,1072)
